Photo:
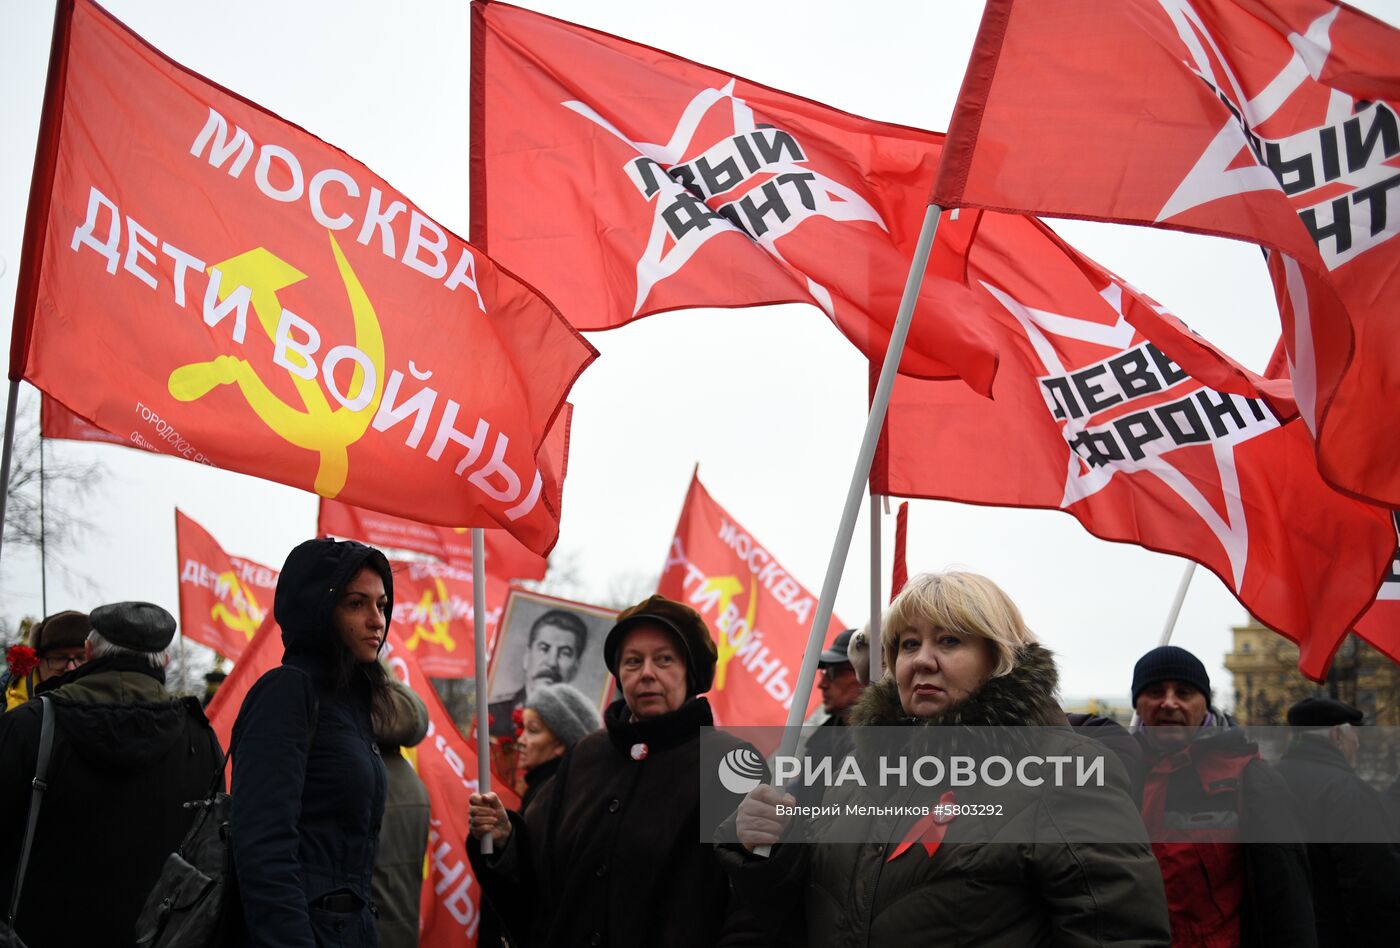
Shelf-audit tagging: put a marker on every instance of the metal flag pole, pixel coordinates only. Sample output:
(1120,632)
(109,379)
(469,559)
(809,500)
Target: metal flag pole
(842,544)
(43,549)
(1176,603)
(1172,614)
(872,631)
(483,739)
(5,457)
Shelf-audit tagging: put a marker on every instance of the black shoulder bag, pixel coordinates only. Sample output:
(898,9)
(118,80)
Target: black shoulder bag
(8,938)
(194,903)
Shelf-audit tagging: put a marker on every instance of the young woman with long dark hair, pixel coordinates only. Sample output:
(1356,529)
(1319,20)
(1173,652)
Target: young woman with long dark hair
(308,781)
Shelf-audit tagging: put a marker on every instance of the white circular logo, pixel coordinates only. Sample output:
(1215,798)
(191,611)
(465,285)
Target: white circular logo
(741,770)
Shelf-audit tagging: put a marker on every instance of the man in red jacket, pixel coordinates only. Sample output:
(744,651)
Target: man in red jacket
(1207,799)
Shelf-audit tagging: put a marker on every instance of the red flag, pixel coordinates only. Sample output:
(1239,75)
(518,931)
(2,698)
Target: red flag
(223,598)
(624,181)
(506,557)
(1091,417)
(758,613)
(446,762)
(59,424)
(273,305)
(433,615)
(1270,122)
(899,571)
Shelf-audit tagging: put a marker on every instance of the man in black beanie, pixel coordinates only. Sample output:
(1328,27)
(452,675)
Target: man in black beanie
(126,757)
(1207,790)
(1351,844)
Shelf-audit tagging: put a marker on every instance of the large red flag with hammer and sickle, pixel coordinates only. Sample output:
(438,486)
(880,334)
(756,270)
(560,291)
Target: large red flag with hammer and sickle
(207,276)
(1273,121)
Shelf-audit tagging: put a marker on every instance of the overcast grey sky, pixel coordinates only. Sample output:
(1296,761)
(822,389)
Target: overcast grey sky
(770,402)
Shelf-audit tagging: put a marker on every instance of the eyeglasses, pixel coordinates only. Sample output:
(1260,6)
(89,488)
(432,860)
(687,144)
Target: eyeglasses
(58,663)
(833,672)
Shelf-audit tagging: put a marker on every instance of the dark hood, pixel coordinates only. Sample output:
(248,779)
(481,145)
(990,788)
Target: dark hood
(312,579)
(116,715)
(1023,696)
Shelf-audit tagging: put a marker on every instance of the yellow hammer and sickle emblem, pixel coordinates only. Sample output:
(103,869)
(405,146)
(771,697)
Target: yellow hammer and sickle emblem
(244,619)
(316,428)
(441,631)
(729,587)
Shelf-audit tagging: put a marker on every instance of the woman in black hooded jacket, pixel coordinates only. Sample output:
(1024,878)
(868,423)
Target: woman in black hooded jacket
(308,781)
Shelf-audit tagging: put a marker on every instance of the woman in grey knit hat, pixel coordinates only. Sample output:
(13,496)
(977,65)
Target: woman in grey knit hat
(555,718)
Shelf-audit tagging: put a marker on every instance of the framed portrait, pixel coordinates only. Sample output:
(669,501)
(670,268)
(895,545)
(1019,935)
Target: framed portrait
(544,640)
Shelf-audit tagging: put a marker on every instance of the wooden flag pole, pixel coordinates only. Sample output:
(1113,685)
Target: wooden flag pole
(841,546)
(483,738)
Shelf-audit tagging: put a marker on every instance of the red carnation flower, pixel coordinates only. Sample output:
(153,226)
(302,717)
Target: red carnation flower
(22,660)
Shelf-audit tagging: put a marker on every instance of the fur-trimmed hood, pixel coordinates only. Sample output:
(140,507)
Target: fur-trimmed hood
(1024,696)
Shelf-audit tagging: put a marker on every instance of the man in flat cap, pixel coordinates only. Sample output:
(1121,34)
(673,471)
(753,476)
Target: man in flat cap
(126,756)
(1351,841)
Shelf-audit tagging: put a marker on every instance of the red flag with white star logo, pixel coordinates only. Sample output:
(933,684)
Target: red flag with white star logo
(209,278)
(623,181)
(1091,416)
(1270,122)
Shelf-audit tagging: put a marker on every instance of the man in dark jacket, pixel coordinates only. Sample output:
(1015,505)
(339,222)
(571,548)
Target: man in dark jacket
(126,756)
(840,690)
(1206,793)
(1355,864)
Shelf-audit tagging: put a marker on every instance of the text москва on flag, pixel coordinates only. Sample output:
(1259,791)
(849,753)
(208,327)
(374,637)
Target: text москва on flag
(1272,121)
(220,282)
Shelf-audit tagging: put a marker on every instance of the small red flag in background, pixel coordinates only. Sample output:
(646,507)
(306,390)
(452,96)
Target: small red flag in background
(433,615)
(899,570)
(623,181)
(1270,122)
(759,615)
(449,912)
(223,599)
(211,278)
(1090,416)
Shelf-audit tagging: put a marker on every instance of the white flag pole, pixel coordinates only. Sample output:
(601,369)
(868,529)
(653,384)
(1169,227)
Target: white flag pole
(1176,603)
(872,633)
(826,603)
(483,737)
(1172,615)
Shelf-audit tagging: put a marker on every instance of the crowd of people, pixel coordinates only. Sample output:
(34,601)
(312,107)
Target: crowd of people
(1193,839)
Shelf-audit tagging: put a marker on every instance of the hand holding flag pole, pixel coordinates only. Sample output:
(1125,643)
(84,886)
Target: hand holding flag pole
(826,603)
(483,738)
